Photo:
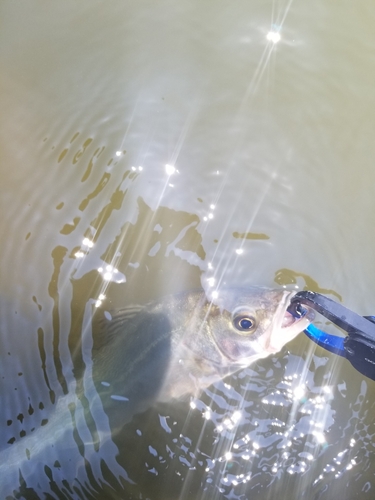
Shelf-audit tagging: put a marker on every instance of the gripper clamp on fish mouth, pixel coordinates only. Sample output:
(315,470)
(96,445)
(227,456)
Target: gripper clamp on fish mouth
(358,347)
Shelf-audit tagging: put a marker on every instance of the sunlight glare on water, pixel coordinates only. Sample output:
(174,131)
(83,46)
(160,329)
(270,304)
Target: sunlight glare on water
(151,149)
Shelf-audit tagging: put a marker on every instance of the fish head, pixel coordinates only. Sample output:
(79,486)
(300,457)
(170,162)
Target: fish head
(252,323)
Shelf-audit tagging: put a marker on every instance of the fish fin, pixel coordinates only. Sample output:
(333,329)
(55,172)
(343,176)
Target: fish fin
(122,317)
(119,322)
(132,361)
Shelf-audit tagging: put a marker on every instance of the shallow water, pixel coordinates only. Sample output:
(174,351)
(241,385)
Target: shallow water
(274,185)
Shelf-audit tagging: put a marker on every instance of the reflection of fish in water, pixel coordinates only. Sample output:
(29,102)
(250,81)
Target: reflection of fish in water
(157,352)
(184,343)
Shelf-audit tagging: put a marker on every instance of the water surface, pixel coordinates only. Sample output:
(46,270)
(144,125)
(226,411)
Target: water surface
(272,184)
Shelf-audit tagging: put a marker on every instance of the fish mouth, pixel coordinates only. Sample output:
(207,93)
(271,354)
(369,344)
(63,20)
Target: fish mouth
(287,326)
(289,319)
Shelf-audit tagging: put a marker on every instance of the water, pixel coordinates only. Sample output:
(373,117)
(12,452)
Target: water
(274,185)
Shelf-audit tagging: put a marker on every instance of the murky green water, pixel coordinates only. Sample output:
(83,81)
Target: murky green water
(274,185)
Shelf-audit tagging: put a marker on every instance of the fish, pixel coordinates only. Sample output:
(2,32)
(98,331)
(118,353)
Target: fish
(139,356)
(179,345)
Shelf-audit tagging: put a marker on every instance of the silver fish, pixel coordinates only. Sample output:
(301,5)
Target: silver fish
(184,343)
(142,355)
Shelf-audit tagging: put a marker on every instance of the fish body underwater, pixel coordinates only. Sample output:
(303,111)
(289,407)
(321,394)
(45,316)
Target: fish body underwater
(184,343)
(141,355)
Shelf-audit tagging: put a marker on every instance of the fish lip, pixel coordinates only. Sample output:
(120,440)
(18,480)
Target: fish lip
(286,324)
(288,318)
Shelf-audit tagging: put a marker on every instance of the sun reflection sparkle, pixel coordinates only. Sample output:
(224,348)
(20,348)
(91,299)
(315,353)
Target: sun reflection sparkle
(273,36)
(170,169)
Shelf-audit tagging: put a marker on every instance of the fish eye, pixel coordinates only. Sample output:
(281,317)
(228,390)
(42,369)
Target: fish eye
(244,323)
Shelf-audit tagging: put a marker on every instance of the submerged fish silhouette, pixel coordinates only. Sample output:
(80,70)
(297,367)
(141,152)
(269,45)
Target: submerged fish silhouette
(142,355)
